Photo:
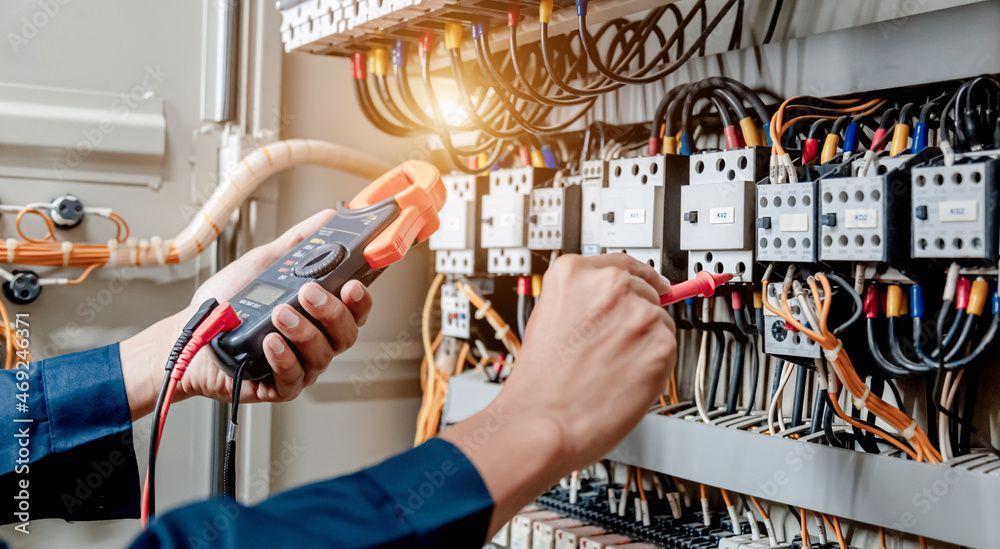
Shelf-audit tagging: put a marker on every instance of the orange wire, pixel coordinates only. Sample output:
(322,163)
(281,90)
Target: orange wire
(806,540)
(840,534)
(49,226)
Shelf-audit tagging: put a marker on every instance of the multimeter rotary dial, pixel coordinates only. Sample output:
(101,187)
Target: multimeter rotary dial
(320,261)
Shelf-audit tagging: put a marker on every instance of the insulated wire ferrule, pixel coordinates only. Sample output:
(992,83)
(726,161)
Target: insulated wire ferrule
(920,137)
(916,301)
(751,135)
(977,297)
(851,138)
(900,139)
(829,147)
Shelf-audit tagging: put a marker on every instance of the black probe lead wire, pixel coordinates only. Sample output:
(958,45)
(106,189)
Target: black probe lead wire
(229,465)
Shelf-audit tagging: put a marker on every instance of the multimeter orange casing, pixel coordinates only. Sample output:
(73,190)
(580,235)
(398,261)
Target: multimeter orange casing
(369,233)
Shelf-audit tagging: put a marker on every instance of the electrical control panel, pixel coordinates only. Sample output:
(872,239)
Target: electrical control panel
(779,337)
(786,223)
(554,219)
(955,211)
(503,218)
(717,215)
(456,246)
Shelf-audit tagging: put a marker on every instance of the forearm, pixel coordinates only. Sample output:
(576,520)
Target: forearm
(517,455)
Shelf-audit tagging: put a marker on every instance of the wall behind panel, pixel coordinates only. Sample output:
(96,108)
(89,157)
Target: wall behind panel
(364,406)
(111,47)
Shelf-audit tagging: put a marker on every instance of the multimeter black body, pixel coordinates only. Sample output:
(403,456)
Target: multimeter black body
(331,257)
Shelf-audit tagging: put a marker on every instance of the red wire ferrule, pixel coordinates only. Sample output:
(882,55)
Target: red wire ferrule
(732,138)
(513,16)
(523,286)
(359,65)
(810,150)
(871,305)
(962,291)
(736,296)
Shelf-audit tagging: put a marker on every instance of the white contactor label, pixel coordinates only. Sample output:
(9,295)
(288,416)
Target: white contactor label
(794,223)
(722,216)
(635,216)
(958,210)
(861,218)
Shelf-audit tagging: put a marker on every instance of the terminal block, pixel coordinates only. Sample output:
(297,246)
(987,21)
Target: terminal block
(955,211)
(642,193)
(503,216)
(786,223)
(456,244)
(782,339)
(592,179)
(717,210)
(554,219)
(456,312)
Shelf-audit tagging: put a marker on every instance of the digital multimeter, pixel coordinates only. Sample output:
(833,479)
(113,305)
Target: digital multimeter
(366,235)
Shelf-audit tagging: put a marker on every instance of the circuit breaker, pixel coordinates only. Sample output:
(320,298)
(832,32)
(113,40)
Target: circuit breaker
(641,194)
(955,211)
(786,222)
(456,245)
(717,210)
(503,219)
(554,219)
(592,179)
(779,337)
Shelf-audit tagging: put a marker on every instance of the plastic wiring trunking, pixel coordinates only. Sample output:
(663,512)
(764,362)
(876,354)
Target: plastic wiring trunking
(456,243)
(717,216)
(503,216)
(642,194)
(955,211)
(786,223)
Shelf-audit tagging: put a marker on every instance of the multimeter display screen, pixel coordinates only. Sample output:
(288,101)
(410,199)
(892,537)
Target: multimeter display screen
(265,294)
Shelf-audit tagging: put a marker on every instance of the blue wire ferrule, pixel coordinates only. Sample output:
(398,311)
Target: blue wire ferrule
(919,136)
(581,8)
(549,156)
(477,30)
(685,148)
(916,301)
(996,304)
(851,138)
(767,132)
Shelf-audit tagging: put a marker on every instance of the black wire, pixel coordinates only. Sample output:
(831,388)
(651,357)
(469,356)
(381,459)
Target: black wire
(799,399)
(229,464)
(773,23)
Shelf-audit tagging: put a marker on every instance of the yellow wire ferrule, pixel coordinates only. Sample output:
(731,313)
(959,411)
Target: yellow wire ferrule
(669,145)
(893,301)
(544,11)
(758,300)
(750,132)
(452,35)
(380,61)
(830,145)
(900,139)
(977,297)
(537,160)
(536,285)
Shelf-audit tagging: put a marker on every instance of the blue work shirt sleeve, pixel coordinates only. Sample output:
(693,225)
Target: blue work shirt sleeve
(430,496)
(68,448)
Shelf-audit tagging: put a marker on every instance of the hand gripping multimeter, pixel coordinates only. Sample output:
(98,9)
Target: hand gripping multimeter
(371,232)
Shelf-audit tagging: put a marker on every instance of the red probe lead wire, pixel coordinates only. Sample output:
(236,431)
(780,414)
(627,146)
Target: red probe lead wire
(702,285)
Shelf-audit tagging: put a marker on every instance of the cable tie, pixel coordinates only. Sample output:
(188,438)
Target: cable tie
(11,247)
(157,243)
(143,248)
(483,309)
(832,354)
(910,431)
(67,249)
(112,251)
(131,245)
(859,402)
(502,332)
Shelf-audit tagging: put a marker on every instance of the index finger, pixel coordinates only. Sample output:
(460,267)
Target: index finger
(634,267)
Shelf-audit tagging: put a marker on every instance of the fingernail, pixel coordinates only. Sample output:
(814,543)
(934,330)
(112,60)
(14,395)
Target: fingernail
(314,295)
(288,318)
(357,292)
(276,344)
